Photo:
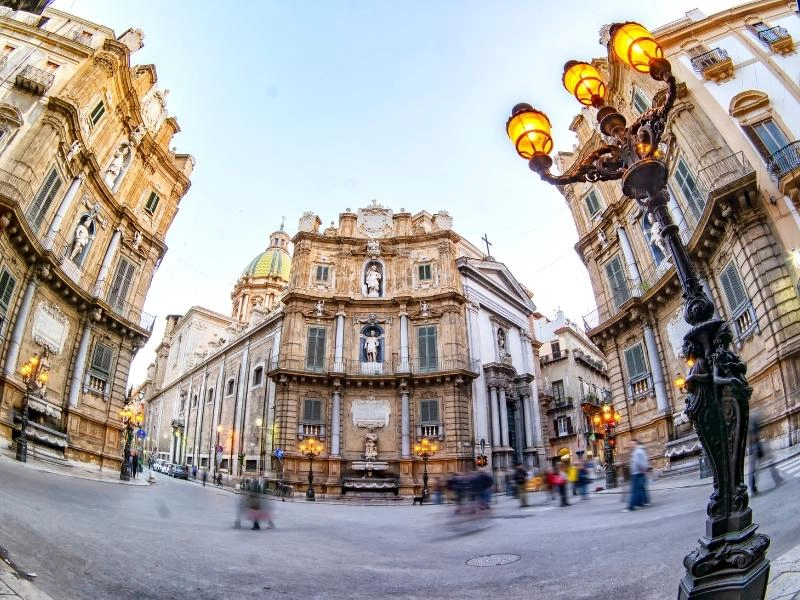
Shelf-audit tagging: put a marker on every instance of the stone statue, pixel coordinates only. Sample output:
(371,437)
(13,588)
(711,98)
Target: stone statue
(371,345)
(501,343)
(371,445)
(373,248)
(319,308)
(424,309)
(137,135)
(115,168)
(74,150)
(137,239)
(656,238)
(373,281)
(601,236)
(82,234)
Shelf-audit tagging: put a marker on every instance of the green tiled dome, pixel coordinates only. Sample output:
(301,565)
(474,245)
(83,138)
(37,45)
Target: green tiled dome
(273,262)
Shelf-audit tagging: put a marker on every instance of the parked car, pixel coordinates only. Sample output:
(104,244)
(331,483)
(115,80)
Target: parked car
(180,472)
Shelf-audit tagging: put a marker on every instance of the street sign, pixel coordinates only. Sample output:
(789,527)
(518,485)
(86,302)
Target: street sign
(279,453)
(141,433)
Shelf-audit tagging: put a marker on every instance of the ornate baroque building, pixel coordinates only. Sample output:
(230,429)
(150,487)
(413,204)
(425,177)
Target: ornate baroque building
(88,189)
(734,171)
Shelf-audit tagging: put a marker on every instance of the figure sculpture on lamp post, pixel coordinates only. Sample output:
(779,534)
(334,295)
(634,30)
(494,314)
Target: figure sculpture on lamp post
(35,373)
(730,561)
(310,447)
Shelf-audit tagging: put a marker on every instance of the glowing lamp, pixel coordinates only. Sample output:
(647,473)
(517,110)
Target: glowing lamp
(219,428)
(634,45)
(259,422)
(529,131)
(680,381)
(584,82)
(618,417)
(26,370)
(596,419)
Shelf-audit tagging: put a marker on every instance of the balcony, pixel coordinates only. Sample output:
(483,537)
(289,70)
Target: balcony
(134,314)
(554,357)
(585,359)
(34,80)
(561,404)
(640,387)
(591,399)
(387,368)
(14,188)
(714,65)
(316,430)
(744,323)
(81,36)
(777,39)
(784,161)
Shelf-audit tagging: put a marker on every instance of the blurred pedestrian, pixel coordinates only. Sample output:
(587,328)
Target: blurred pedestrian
(482,483)
(520,479)
(437,491)
(640,465)
(510,487)
(550,484)
(758,454)
(194,472)
(204,476)
(134,463)
(572,477)
(561,483)
(583,480)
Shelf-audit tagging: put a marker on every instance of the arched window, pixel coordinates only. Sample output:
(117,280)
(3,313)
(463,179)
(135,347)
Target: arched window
(230,387)
(258,375)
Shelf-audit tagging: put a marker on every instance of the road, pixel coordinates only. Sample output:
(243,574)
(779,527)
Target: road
(90,540)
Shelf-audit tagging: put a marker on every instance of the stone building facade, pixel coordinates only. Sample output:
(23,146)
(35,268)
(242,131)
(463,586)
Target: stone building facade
(88,189)
(572,383)
(734,168)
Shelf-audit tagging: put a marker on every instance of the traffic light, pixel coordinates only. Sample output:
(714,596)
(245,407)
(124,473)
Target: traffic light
(612,442)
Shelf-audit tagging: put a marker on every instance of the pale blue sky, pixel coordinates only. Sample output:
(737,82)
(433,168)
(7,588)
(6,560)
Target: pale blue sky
(293,106)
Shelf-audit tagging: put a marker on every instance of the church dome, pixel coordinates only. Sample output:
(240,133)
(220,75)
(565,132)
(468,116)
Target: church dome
(275,261)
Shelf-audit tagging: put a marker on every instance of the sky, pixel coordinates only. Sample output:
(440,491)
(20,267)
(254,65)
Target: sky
(323,105)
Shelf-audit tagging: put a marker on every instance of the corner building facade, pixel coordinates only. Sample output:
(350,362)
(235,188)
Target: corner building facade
(88,189)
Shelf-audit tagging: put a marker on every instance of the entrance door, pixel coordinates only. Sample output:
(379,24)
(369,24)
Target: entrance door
(514,434)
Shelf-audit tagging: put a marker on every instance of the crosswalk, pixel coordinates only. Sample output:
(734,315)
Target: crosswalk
(791,467)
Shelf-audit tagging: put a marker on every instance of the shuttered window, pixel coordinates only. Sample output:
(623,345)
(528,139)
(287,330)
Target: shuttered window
(635,362)
(617,281)
(426,347)
(592,204)
(97,112)
(121,284)
(558,391)
(152,203)
(733,287)
(312,410)
(44,198)
(563,426)
(100,368)
(687,184)
(315,349)
(429,411)
(640,102)
(7,285)
(767,137)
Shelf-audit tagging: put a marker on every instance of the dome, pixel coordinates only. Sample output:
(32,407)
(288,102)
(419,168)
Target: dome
(275,261)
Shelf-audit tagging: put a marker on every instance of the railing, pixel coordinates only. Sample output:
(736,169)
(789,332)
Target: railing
(784,161)
(744,321)
(725,172)
(34,79)
(548,358)
(134,314)
(561,404)
(316,430)
(772,35)
(15,188)
(429,431)
(640,386)
(709,59)
(372,369)
(590,399)
(589,361)
(82,37)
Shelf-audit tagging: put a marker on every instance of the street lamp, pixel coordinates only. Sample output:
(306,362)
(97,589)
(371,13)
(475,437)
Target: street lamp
(34,373)
(260,425)
(425,449)
(128,416)
(217,451)
(731,559)
(310,447)
(608,419)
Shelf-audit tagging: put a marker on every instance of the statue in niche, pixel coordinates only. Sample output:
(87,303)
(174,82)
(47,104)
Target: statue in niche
(501,343)
(601,237)
(371,445)
(656,239)
(319,308)
(115,168)
(74,150)
(373,281)
(83,233)
(372,345)
(137,239)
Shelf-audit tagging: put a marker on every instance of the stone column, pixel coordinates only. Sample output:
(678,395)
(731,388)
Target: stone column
(78,367)
(503,416)
(338,364)
(241,399)
(405,422)
(630,259)
(106,264)
(662,400)
(479,401)
(336,408)
(55,226)
(497,441)
(526,415)
(21,320)
(404,366)
(677,214)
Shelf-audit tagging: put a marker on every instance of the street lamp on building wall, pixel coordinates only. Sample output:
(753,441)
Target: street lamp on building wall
(34,373)
(731,559)
(260,425)
(425,449)
(608,419)
(128,417)
(310,447)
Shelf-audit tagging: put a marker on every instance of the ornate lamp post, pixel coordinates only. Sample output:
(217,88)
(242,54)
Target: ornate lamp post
(730,561)
(35,373)
(217,451)
(425,449)
(608,419)
(127,415)
(260,425)
(310,447)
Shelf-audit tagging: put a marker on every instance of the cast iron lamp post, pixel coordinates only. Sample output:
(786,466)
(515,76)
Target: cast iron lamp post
(608,419)
(425,449)
(217,451)
(310,447)
(730,561)
(127,415)
(35,373)
(260,425)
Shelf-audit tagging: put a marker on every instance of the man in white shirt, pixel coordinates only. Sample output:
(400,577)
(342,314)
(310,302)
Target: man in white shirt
(640,465)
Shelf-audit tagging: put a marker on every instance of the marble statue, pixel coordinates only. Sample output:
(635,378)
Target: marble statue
(74,150)
(319,308)
(424,309)
(115,168)
(655,235)
(601,236)
(371,345)
(79,239)
(371,445)
(137,239)
(373,281)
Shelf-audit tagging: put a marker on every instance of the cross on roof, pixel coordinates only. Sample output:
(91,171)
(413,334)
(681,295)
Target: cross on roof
(486,241)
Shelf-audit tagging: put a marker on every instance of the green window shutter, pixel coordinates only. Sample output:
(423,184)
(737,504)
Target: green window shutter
(312,410)
(634,360)
(315,350)
(426,346)
(592,204)
(687,183)
(429,411)
(43,200)
(733,287)
(98,112)
(7,283)
(101,361)
(617,281)
(118,292)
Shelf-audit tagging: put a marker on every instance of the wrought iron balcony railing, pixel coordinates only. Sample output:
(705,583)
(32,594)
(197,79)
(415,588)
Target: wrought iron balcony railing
(357,368)
(707,60)
(555,356)
(134,314)
(784,161)
(772,35)
(34,79)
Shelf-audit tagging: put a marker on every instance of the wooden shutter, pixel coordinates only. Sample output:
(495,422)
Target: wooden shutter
(98,112)
(101,360)
(429,411)
(733,287)
(315,350)
(44,198)
(555,428)
(121,283)
(7,283)
(426,342)
(617,281)
(634,360)
(312,410)
(569,425)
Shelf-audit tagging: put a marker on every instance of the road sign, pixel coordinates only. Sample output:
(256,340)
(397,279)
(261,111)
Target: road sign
(141,433)
(279,453)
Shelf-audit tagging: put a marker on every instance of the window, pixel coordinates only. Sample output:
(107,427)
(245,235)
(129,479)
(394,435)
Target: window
(258,375)
(593,206)
(183,401)
(424,272)
(426,347)
(767,137)
(97,112)
(687,184)
(210,395)
(230,387)
(733,287)
(640,101)
(50,66)
(617,281)
(44,198)
(312,411)
(152,203)
(118,292)
(634,361)
(194,400)
(558,392)
(100,368)
(429,411)
(555,349)
(564,426)
(315,349)
(7,284)
(323,273)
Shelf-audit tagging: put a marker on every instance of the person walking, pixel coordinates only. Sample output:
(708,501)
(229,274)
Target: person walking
(194,472)
(134,464)
(583,480)
(758,454)
(572,477)
(204,476)
(520,479)
(561,482)
(639,467)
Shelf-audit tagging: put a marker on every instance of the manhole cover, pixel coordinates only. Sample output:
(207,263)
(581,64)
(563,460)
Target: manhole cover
(492,560)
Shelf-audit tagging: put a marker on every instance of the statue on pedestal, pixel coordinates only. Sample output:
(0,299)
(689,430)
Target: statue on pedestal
(371,345)
(371,445)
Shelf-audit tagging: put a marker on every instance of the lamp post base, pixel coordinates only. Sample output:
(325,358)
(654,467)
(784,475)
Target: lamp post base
(125,472)
(22,450)
(611,477)
(310,495)
(727,585)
